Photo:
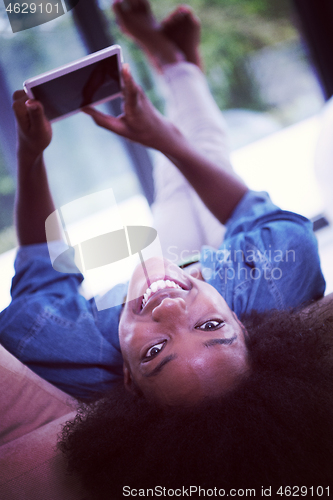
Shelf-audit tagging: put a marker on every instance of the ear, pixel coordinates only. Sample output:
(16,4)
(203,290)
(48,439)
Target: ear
(128,380)
(245,332)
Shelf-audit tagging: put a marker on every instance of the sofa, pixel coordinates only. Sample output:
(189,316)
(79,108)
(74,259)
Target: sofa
(32,414)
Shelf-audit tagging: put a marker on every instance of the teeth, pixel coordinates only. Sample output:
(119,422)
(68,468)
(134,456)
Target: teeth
(154,287)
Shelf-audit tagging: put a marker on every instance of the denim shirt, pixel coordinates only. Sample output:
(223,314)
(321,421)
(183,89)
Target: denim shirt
(59,334)
(268,259)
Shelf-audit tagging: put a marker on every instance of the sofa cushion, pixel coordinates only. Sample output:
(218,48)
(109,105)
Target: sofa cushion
(31,468)
(27,401)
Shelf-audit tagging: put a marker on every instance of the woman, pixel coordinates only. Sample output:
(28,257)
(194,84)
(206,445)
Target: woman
(212,401)
(268,259)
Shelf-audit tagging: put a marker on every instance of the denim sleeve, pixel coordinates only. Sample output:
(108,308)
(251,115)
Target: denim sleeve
(255,210)
(268,260)
(287,247)
(55,331)
(288,253)
(34,273)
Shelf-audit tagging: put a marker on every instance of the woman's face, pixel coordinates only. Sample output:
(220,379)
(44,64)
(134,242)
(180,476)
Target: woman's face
(180,341)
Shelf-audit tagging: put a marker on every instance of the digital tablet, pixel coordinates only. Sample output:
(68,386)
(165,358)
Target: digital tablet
(93,79)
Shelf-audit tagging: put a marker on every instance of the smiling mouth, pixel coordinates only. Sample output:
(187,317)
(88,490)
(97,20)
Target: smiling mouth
(157,286)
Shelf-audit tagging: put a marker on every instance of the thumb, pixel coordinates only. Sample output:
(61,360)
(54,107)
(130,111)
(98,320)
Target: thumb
(131,89)
(112,123)
(36,113)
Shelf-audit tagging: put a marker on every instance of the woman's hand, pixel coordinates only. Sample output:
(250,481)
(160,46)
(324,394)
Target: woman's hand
(34,131)
(140,121)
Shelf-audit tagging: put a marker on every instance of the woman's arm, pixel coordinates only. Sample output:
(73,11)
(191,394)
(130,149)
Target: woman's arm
(33,197)
(141,122)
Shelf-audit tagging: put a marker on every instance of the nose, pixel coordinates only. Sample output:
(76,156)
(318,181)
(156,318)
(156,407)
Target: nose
(170,309)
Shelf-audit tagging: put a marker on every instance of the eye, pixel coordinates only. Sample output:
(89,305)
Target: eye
(154,350)
(212,324)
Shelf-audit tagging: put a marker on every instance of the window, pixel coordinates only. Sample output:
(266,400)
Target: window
(82,158)
(258,71)
(255,62)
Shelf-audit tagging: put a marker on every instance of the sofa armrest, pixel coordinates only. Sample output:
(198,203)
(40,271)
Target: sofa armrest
(31,468)
(27,401)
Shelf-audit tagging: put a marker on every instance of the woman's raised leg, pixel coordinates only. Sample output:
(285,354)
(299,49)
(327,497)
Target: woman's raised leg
(183,222)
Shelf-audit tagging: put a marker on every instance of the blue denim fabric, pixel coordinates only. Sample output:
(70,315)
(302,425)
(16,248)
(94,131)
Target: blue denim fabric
(58,333)
(65,339)
(268,259)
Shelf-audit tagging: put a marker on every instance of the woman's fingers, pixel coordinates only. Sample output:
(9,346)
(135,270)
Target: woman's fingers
(19,94)
(28,111)
(114,124)
(19,108)
(36,114)
(139,122)
(131,89)
(122,124)
(101,119)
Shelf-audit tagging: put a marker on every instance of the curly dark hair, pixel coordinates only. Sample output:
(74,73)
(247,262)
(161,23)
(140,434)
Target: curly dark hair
(275,429)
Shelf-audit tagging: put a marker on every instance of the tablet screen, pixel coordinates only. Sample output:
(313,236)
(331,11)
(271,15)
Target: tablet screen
(72,91)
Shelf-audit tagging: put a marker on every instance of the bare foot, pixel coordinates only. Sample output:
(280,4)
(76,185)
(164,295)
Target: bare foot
(135,18)
(182,26)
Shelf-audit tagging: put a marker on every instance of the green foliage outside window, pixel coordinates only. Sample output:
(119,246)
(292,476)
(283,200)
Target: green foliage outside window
(231,31)
(234,32)
(7,193)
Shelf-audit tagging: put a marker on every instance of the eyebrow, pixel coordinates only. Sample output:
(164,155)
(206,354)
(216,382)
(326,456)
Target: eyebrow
(212,342)
(160,366)
(169,358)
